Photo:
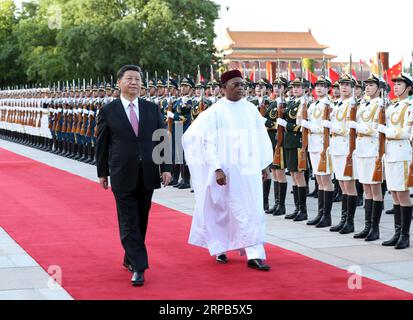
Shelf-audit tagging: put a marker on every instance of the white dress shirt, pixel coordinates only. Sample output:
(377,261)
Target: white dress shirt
(126,103)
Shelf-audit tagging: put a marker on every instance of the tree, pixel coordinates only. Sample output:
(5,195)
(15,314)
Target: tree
(91,38)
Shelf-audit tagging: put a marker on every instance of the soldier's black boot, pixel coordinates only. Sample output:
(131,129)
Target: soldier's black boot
(266,186)
(351,210)
(397,228)
(93,162)
(276,199)
(320,209)
(314,193)
(406,219)
(338,195)
(340,225)
(360,192)
(91,154)
(85,153)
(374,233)
(302,198)
(328,204)
(297,209)
(75,151)
(368,211)
(282,193)
(78,153)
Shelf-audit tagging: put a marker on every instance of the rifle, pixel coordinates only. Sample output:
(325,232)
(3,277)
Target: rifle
(348,170)
(410,178)
(302,156)
(278,156)
(262,105)
(322,164)
(89,127)
(170,121)
(378,167)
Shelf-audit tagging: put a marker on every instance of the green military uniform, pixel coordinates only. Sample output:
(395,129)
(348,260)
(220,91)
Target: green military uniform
(292,135)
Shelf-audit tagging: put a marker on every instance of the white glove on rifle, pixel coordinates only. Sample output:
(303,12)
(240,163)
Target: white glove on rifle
(170,114)
(352,101)
(305,124)
(382,128)
(279,101)
(281,122)
(326,124)
(353,125)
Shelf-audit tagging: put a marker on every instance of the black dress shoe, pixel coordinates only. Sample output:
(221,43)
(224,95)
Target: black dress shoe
(258,265)
(222,259)
(137,279)
(179,184)
(185,185)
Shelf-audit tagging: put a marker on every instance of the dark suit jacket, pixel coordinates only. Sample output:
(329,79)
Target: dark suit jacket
(118,150)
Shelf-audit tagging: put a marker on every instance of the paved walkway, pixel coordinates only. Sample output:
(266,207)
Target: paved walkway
(22,278)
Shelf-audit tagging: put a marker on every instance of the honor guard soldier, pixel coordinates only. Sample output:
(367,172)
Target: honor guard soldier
(116,92)
(292,146)
(271,115)
(151,91)
(339,151)
(144,90)
(201,103)
(318,143)
(398,150)
(181,116)
(335,93)
(367,153)
(160,92)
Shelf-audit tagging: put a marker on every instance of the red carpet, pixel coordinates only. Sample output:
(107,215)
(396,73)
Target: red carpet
(62,219)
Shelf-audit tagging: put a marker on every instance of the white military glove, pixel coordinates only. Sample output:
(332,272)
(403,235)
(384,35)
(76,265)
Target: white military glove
(353,125)
(170,114)
(279,101)
(380,103)
(352,101)
(326,124)
(305,124)
(382,128)
(303,100)
(281,122)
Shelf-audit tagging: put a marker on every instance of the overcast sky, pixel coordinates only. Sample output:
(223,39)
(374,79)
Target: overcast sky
(360,27)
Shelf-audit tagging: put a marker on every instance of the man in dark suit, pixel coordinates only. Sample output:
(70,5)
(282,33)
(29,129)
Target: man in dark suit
(124,152)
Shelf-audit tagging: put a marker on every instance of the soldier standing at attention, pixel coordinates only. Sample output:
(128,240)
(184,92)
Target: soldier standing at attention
(278,173)
(339,150)
(291,146)
(316,113)
(367,151)
(398,131)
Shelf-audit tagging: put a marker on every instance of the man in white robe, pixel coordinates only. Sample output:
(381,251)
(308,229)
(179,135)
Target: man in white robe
(227,149)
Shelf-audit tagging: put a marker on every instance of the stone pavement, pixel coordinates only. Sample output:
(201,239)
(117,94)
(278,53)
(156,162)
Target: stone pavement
(22,278)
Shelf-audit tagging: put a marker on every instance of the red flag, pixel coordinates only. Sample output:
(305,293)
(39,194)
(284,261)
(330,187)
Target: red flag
(333,75)
(252,74)
(292,75)
(392,73)
(353,72)
(312,78)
